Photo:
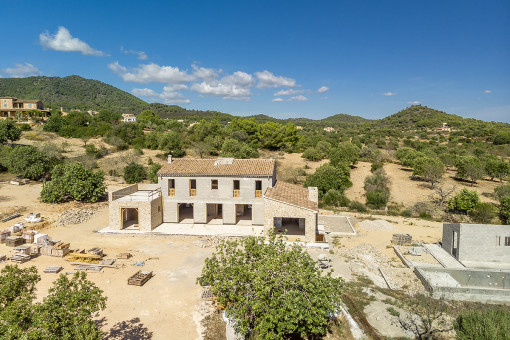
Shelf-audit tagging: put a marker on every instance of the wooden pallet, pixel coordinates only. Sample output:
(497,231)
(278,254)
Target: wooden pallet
(95,251)
(139,278)
(14,241)
(79,257)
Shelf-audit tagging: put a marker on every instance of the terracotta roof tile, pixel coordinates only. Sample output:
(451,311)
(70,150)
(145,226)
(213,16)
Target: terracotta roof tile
(215,167)
(292,194)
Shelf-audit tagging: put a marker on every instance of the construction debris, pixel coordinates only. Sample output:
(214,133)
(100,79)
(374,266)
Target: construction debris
(3,258)
(53,269)
(41,238)
(19,181)
(4,234)
(75,216)
(59,249)
(28,236)
(80,257)
(366,260)
(95,251)
(24,250)
(11,217)
(17,227)
(88,267)
(33,217)
(139,278)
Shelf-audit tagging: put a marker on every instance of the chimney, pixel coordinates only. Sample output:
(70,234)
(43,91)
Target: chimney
(169,158)
(313,194)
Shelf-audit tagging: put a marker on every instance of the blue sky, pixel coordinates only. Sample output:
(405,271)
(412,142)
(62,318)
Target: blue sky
(281,58)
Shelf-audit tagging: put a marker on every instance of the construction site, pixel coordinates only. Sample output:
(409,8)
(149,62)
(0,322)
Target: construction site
(157,271)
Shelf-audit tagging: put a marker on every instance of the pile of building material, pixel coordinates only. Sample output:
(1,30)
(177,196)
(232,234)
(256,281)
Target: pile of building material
(139,278)
(28,235)
(23,249)
(19,181)
(20,258)
(14,241)
(401,239)
(124,256)
(59,249)
(53,269)
(41,238)
(33,217)
(75,216)
(16,228)
(4,234)
(10,217)
(95,251)
(380,225)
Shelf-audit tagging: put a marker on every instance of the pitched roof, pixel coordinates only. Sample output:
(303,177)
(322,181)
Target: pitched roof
(219,167)
(291,194)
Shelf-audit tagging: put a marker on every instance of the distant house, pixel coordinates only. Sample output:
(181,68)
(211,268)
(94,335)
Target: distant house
(444,128)
(14,108)
(128,118)
(329,129)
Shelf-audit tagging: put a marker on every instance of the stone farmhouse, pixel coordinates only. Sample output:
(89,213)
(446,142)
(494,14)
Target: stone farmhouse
(13,108)
(222,191)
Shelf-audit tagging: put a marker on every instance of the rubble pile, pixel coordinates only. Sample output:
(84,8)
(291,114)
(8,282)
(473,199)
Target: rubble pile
(75,216)
(366,260)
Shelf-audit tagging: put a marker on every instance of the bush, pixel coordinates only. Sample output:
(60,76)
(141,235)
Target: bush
(313,154)
(24,127)
(91,150)
(152,175)
(406,213)
(73,181)
(502,191)
(376,166)
(336,198)
(8,131)
(28,161)
(504,210)
(377,199)
(483,213)
(483,325)
(234,148)
(358,206)
(134,173)
(465,201)
(328,177)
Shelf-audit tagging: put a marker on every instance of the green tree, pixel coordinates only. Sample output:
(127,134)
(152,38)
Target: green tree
(470,167)
(465,201)
(55,123)
(28,161)
(8,131)
(336,198)
(495,167)
(431,169)
(66,313)
(270,289)
(234,148)
(134,173)
(491,324)
(483,213)
(313,154)
(171,142)
(328,177)
(108,116)
(504,209)
(377,189)
(72,181)
(152,174)
(148,117)
(344,153)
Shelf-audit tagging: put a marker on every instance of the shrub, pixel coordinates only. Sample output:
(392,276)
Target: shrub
(73,181)
(377,199)
(504,209)
(502,191)
(483,213)
(406,213)
(313,154)
(358,206)
(134,173)
(336,198)
(376,166)
(152,175)
(28,161)
(483,325)
(24,127)
(8,131)
(91,150)
(465,201)
(234,148)
(328,177)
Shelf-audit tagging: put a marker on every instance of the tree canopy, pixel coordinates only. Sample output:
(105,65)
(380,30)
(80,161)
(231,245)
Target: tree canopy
(8,131)
(272,290)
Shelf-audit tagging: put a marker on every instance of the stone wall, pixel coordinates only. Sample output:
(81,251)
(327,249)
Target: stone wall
(274,209)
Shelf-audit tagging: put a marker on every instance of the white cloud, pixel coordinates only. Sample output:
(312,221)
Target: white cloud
(234,86)
(21,70)
(175,87)
(298,98)
(277,100)
(144,93)
(141,54)
(323,89)
(389,94)
(487,91)
(414,103)
(151,73)
(287,92)
(65,42)
(207,74)
(169,96)
(269,80)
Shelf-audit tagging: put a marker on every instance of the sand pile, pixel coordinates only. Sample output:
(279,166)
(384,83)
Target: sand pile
(377,225)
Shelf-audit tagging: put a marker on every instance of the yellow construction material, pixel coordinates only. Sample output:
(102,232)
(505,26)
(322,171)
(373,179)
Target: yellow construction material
(79,257)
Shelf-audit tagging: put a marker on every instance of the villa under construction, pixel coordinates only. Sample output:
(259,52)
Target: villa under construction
(222,191)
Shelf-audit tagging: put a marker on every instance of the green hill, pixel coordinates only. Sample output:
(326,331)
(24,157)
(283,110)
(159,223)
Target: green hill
(344,118)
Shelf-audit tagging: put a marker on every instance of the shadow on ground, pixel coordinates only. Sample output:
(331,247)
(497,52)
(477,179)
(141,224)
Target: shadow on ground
(127,330)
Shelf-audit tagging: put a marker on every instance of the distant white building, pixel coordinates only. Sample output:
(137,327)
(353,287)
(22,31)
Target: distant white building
(128,118)
(329,129)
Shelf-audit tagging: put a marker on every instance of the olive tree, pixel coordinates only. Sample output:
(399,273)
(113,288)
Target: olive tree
(28,161)
(328,177)
(8,131)
(270,289)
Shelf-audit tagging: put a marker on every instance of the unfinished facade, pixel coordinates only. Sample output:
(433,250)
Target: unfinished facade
(223,191)
(477,244)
